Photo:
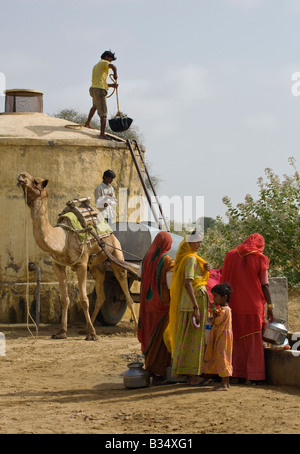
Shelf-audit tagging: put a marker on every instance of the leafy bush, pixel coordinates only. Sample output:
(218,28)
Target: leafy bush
(275,215)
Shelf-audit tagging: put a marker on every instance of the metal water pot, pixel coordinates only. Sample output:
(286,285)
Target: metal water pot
(275,332)
(136,376)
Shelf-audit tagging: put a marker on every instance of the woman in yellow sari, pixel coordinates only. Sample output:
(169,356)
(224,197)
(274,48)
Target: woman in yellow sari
(189,299)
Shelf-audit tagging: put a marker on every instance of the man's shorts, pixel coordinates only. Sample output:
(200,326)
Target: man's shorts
(99,101)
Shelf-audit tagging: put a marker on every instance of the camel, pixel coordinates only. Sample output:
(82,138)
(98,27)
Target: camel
(66,250)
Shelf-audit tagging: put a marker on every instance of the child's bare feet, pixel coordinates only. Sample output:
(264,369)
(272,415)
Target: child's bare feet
(224,386)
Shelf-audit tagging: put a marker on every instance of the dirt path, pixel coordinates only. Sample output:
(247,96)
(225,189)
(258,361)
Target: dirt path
(73,386)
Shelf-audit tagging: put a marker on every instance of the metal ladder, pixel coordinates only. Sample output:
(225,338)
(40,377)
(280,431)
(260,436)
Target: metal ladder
(147,193)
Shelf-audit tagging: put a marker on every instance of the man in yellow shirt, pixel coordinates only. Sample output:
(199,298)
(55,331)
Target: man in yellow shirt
(99,89)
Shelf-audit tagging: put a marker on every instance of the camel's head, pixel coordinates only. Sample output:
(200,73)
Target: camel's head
(32,187)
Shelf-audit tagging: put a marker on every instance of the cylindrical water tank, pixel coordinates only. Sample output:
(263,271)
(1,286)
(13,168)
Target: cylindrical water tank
(74,162)
(23,100)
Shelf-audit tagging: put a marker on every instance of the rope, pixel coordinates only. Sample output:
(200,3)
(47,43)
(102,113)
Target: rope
(115,90)
(28,315)
(126,252)
(76,127)
(127,266)
(74,263)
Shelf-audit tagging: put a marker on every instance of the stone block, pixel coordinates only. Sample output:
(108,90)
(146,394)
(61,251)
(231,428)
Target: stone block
(279,295)
(282,367)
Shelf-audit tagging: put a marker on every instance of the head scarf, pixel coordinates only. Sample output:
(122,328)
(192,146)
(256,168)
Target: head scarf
(194,237)
(152,307)
(184,252)
(254,244)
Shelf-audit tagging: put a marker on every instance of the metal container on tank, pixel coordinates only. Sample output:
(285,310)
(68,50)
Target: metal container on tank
(136,239)
(275,332)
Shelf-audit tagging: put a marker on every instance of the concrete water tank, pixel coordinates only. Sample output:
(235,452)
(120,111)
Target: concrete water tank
(73,161)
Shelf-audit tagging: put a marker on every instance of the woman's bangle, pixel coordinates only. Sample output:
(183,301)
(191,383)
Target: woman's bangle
(270,306)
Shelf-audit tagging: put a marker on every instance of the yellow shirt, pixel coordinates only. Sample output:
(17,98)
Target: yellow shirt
(100,74)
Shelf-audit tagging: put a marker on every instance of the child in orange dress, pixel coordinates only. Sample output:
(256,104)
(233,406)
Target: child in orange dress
(218,354)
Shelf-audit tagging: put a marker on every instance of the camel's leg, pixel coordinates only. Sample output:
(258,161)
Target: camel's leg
(99,276)
(81,272)
(60,272)
(121,276)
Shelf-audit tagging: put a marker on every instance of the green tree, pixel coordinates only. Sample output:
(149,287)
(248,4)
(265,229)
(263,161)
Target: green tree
(275,215)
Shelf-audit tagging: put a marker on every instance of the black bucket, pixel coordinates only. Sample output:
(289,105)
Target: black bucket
(119,124)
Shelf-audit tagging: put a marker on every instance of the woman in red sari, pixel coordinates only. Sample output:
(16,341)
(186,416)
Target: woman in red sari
(246,270)
(154,307)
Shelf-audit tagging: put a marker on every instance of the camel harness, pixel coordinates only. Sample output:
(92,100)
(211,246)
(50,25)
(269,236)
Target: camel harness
(82,219)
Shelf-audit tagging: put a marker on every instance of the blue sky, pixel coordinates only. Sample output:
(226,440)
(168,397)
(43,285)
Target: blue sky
(208,83)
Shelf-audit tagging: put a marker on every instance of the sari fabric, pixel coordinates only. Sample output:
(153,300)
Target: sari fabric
(153,308)
(214,279)
(244,268)
(218,354)
(189,345)
(157,357)
(177,283)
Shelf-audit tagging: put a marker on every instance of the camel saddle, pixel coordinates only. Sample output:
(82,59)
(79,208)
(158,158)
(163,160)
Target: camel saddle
(84,219)
(87,222)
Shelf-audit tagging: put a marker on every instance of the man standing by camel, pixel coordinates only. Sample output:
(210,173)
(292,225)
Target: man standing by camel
(99,89)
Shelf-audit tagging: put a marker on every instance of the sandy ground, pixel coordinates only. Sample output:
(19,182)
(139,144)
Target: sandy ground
(73,386)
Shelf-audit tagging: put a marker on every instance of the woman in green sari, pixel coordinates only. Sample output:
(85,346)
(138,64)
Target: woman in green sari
(185,334)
